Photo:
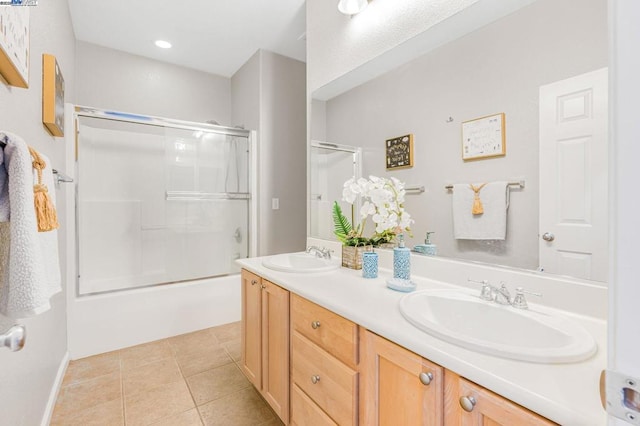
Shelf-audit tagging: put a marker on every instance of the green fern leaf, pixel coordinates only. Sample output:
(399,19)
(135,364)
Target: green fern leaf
(342,227)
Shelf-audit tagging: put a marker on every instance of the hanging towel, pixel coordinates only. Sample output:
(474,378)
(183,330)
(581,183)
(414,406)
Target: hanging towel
(492,224)
(29,264)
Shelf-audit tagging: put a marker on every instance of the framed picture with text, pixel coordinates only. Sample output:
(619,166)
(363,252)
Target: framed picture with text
(399,152)
(483,137)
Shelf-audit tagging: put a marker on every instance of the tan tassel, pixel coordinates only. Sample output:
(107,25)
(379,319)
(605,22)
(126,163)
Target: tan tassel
(477,208)
(45,210)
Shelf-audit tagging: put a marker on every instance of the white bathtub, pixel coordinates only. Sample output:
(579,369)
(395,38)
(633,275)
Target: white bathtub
(106,322)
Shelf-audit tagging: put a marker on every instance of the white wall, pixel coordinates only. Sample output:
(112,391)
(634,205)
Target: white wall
(498,68)
(27,377)
(119,81)
(336,43)
(270,90)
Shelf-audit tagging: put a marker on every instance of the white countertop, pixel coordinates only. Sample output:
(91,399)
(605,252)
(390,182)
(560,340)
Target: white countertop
(565,393)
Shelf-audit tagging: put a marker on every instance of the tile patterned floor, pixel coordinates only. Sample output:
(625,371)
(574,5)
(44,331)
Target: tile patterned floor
(187,380)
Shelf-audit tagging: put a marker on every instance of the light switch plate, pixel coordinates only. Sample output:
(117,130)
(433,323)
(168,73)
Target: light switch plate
(275,203)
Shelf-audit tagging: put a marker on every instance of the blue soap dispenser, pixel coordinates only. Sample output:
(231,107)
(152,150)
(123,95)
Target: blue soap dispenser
(430,249)
(401,260)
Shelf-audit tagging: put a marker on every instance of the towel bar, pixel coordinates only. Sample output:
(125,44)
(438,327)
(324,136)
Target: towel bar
(519,184)
(414,190)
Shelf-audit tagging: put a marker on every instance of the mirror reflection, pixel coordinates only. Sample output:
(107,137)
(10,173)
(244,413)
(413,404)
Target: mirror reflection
(544,68)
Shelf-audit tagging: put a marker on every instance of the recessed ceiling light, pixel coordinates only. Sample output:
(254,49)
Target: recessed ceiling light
(163,44)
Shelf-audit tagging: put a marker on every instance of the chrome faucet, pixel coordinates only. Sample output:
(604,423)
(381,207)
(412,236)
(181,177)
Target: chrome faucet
(320,252)
(502,296)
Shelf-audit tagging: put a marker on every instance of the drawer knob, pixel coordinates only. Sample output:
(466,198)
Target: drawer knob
(315,379)
(315,325)
(426,378)
(254,282)
(467,403)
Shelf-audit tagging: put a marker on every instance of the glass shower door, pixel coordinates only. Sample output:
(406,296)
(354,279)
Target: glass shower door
(158,204)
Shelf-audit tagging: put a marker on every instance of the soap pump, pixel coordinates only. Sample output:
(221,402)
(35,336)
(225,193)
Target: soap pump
(401,260)
(428,247)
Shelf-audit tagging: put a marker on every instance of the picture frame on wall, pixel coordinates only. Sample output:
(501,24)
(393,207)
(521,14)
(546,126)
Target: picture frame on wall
(52,95)
(14,45)
(399,152)
(484,137)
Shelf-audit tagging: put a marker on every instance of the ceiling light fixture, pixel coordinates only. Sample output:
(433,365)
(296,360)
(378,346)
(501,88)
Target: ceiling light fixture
(163,44)
(352,7)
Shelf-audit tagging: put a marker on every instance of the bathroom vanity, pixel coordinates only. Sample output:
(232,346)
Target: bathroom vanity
(333,348)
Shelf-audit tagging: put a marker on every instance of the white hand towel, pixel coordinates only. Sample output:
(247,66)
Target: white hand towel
(492,224)
(29,265)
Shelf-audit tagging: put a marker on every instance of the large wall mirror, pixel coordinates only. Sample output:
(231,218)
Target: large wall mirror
(502,67)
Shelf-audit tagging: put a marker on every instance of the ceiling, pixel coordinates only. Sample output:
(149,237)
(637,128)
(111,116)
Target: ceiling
(216,36)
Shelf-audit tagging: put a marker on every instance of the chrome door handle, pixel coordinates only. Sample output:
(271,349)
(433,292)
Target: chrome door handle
(548,236)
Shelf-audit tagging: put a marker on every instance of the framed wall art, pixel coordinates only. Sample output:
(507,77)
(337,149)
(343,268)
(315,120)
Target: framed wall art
(52,95)
(399,152)
(483,137)
(14,45)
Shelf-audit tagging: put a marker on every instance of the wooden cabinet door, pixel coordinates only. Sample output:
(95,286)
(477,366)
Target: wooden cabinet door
(252,327)
(392,391)
(275,348)
(486,408)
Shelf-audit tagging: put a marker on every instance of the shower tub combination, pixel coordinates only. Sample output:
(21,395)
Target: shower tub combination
(163,208)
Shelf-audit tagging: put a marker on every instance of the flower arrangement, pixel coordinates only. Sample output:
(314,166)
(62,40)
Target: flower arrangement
(383,200)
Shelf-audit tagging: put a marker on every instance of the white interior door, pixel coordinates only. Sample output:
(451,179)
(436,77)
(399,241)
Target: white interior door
(574,176)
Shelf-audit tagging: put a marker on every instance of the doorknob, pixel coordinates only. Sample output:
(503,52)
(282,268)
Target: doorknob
(548,236)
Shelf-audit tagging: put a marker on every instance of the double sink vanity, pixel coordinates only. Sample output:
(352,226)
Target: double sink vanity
(325,346)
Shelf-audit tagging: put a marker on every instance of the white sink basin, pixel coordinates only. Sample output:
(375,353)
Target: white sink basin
(537,334)
(299,262)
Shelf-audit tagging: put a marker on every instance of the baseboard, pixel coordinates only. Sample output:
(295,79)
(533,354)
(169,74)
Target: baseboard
(55,389)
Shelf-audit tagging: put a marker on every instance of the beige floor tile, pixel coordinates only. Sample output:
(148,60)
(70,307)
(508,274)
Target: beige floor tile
(196,342)
(147,353)
(245,407)
(188,418)
(233,348)
(91,367)
(78,397)
(227,332)
(105,414)
(273,422)
(216,383)
(166,400)
(150,376)
(192,363)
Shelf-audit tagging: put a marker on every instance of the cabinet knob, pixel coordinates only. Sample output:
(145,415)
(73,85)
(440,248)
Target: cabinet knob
(426,378)
(467,403)
(263,286)
(315,379)
(315,325)
(254,282)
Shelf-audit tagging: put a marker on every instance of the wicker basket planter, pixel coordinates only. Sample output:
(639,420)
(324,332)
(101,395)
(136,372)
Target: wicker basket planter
(352,256)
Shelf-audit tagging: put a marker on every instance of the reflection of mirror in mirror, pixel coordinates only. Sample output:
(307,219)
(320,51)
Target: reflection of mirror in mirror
(330,166)
(498,68)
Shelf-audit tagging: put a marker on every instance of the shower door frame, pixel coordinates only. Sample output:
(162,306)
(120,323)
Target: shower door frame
(356,152)
(252,199)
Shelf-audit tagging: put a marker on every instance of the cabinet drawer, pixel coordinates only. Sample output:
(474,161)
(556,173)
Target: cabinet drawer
(330,331)
(305,412)
(327,381)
